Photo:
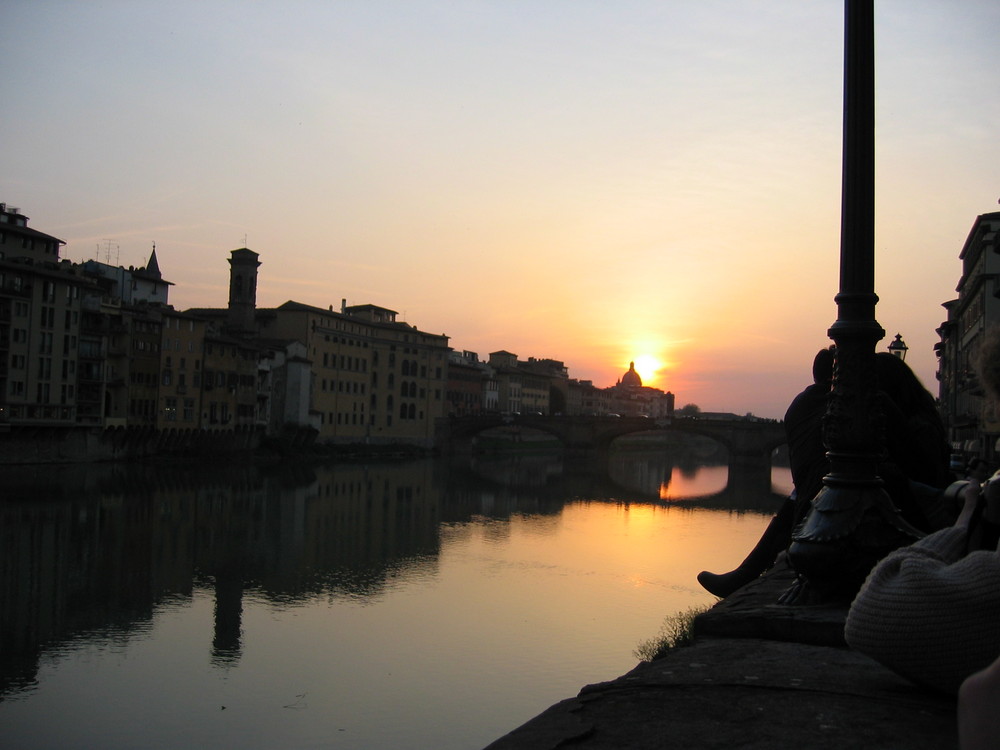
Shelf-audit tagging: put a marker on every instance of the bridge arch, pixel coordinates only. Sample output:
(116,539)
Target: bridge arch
(745,439)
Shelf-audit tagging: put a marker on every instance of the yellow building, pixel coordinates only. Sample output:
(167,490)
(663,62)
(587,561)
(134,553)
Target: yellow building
(182,352)
(374,379)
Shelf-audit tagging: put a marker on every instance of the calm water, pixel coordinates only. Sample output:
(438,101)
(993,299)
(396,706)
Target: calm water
(416,605)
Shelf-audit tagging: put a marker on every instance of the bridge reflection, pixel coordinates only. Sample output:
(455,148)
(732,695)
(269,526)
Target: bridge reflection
(749,443)
(635,476)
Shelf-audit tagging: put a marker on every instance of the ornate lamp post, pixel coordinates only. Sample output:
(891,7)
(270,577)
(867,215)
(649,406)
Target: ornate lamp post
(898,347)
(852,522)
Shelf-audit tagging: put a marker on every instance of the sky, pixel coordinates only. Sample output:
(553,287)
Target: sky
(593,182)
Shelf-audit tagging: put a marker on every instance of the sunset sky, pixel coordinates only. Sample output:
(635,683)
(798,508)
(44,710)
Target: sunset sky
(595,182)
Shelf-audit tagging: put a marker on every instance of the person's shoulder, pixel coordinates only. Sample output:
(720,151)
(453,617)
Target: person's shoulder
(810,399)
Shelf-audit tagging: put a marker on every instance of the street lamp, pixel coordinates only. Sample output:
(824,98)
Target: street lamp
(852,523)
(898,347)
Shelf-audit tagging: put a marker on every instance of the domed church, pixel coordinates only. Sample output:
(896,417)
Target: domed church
(630,398)
(631,378)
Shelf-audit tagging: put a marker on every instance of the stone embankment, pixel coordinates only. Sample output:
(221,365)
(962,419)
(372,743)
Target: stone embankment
(759,675)
(57,444)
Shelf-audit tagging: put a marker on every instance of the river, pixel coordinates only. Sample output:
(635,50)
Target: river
(425,604)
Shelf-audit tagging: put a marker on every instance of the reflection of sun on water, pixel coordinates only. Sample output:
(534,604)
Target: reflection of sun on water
(708,480)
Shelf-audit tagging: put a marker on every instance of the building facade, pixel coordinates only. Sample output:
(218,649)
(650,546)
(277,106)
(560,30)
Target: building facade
(43,379)
(100,346)
(972,420)
(469,385)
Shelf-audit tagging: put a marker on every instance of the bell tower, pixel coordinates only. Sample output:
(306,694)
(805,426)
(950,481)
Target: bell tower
(243,266)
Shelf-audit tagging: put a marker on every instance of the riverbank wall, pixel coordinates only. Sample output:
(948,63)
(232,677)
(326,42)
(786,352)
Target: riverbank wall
(79,445)
(59,445)
(758,675)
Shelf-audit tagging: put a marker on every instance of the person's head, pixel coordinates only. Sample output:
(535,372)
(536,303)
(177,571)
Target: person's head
(823,367)
(896,380)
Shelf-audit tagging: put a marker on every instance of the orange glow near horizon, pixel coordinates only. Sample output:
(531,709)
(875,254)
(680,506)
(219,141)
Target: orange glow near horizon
(649,368)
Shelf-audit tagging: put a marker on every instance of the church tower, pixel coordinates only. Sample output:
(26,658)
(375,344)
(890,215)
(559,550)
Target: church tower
(242,290)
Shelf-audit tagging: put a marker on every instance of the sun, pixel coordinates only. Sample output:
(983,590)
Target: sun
(648,367)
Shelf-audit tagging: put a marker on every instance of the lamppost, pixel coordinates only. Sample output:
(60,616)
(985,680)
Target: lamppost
(852,523)
(898,347)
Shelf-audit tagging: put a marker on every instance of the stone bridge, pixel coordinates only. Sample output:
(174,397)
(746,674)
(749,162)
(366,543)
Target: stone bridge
(747,440)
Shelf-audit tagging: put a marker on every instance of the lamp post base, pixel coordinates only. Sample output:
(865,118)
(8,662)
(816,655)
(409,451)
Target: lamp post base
(850,527)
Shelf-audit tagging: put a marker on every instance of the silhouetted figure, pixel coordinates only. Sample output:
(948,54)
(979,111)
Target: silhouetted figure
(915,467)
(808,464)
(930,611)
(914,464)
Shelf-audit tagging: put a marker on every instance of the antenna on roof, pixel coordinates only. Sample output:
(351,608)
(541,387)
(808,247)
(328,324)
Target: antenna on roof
(107,251)
(244,239)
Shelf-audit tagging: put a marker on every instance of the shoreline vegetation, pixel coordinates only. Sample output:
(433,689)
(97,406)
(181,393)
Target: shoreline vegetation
(676,632)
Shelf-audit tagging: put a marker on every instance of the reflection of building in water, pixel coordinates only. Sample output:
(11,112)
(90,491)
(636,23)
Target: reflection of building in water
(227,641)
(519,470)
(648,473)
(106,558)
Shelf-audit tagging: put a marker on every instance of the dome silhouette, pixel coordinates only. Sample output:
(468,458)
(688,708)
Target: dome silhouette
(631,378)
